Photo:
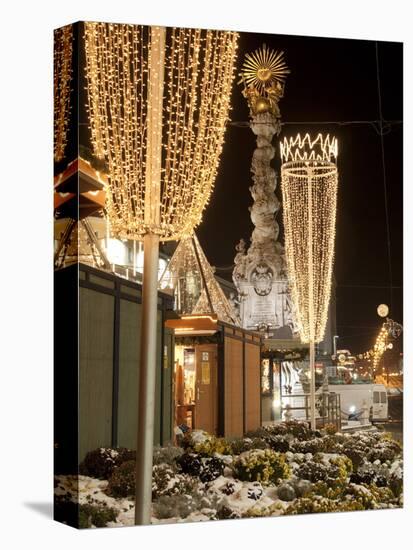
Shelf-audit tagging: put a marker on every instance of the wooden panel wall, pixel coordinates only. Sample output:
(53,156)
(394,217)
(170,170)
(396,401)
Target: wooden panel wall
(234,388)
(252,387)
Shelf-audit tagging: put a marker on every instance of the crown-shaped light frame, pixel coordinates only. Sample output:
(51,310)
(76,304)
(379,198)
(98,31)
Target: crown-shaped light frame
(297,149)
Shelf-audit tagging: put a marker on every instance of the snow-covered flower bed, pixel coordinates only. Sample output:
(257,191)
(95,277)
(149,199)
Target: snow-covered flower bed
(277,470)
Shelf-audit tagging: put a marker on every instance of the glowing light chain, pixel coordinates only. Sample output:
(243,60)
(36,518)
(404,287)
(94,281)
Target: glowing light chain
(184,276)
(198,75)
(309,190)
(301,149)
(379,347)
(390,330)
(62,79)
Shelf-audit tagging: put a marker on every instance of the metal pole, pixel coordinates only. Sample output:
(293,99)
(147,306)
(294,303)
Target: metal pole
(312,385)
(147,376)
(311,298)
(147,368)
(335,338)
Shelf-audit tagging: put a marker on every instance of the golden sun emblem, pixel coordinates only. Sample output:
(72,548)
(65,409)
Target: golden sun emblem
(263,68)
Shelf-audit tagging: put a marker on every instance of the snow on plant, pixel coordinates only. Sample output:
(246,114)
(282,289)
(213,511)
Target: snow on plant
(277,470)
(262,465)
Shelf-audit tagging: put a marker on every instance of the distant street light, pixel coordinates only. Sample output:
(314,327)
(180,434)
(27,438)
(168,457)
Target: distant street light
(383,310)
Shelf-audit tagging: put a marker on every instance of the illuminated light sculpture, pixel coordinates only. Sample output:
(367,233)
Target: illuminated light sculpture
(196,289)
(309,182)
(62,79)
(158,103)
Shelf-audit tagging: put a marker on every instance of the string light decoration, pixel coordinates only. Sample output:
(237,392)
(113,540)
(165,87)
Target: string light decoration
(62,80)
(158,103)
(389,331)
(309,188)
(196,289)
(304,148)
(379,347)
(309,182)
(198,75)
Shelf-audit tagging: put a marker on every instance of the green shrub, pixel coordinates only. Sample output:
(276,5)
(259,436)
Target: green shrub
(262,465)
(319,504)
(356,451)
(363,495)
(97,515)
(279,443)
(312,446)
(213,445)
(385,449)
(163,477)
(286,492)
(102,462)
(166,482)
(332,491)
(239,446)
(302,487)
(333,472)
(167,455)
(396,485)
(181,506)
(300,430)
(225,512)
(190,463)
(330,429)
(122,481)
(211,469)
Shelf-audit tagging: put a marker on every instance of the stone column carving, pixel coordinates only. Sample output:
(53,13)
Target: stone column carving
(260,271)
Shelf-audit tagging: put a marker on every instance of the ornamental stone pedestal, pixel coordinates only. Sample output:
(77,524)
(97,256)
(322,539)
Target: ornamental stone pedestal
(260,271)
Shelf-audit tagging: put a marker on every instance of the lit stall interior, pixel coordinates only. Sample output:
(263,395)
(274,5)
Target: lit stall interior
(185,379)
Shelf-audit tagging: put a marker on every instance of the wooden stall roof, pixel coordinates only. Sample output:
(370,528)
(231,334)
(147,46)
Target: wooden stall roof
(194,324)
(207,324)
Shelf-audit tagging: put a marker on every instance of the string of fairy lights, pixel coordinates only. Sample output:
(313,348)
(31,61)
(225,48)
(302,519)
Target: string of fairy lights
(309,190)
(389,331)
(62,80)
(198,71)
(305,148)
(188,273)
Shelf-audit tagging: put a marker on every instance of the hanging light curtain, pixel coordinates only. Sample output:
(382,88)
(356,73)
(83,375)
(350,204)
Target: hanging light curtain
(198,71)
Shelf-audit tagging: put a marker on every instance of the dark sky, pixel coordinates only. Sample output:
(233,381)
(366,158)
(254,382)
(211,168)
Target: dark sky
(331,80)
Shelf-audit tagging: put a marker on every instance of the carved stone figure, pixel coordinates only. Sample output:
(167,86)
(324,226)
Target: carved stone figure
(260,272)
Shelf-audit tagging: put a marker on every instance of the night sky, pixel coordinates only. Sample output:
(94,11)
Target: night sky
(331,80)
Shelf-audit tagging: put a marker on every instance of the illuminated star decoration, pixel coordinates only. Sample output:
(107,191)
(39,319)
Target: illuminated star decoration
(263,68)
